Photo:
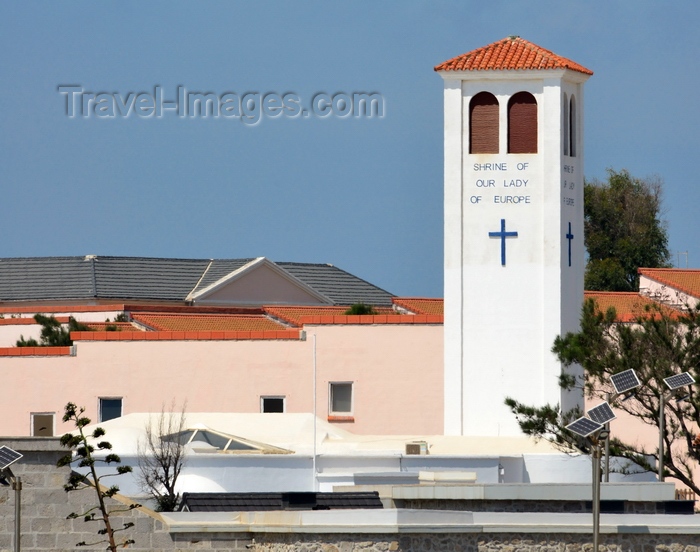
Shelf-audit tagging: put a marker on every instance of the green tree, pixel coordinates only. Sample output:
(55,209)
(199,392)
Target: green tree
(659,344)
(53,333)
(623,230)
(361,308)
(82,452)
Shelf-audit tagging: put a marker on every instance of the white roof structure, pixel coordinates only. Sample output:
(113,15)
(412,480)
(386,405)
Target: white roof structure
(295,433)
(276,453)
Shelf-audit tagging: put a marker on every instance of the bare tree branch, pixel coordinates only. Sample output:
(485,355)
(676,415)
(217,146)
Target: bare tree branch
(161,456)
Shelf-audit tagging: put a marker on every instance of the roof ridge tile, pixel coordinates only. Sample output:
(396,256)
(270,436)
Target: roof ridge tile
(510,53)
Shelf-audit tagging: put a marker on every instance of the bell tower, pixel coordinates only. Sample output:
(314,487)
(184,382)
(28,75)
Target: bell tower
(514,252)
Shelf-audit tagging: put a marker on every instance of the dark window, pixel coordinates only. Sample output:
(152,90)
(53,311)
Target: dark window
(572,127)
(272,404)
(522,123)
(565,124)
(341,398)
(483,123)
(42,425)
(110,409)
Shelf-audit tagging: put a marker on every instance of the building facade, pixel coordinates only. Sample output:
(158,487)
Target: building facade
(514,253)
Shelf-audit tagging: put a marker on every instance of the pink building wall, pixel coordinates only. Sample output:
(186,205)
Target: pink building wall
(396,371)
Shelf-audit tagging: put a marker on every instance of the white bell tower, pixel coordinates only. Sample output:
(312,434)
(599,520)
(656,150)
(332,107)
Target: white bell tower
(514,252)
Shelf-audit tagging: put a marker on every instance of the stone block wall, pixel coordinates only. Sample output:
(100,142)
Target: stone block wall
(474,542)
(45,507)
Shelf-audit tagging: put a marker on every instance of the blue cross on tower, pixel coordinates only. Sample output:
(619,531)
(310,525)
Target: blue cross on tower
(503,235)
(569,237)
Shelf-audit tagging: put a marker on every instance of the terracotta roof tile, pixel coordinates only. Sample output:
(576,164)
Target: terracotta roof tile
(418,305)
(684,280)
(120,326)
(27,321)
(48,309)
(189,322)
(628,305)
(294,315)
(179,335)
(511,53)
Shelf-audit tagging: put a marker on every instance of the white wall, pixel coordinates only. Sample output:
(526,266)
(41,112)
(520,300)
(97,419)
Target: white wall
(501,321)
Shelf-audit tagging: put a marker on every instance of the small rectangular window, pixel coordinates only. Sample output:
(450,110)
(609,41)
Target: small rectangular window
(110,408)
(42,424)
(272,404)
(341,398)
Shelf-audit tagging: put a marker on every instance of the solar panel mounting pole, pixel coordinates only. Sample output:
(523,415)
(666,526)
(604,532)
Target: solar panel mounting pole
(596,493)
(7,458)
(596,439)
(17,487)
(607,445)
(594,432)
(673,383)
(662,431)
(603,414)
(623,382)
(313,481)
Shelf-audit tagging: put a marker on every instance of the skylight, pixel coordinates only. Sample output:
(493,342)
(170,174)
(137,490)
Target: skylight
(205,440)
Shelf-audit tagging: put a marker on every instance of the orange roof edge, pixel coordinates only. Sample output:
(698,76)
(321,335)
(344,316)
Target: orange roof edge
(685,280)
(628,305)
(510,53)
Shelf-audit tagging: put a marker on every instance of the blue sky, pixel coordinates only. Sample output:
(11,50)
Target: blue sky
(362,194)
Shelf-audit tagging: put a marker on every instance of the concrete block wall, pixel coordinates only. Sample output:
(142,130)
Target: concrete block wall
(45,507)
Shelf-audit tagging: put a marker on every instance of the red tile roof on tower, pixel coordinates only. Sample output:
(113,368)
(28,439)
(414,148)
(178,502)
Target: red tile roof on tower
(684,280)
(628,305)
(511,53)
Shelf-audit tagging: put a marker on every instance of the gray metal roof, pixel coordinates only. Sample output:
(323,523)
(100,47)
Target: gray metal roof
(339,286)
(44,278)
(158,279)
(218,268)
(147,278)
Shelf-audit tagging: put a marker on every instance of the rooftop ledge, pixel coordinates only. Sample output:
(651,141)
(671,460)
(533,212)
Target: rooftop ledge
(423,521)
(212,335)
(637,492)
(373,319)
(35,351)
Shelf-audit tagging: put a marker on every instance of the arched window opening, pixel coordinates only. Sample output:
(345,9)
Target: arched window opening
(522,123)
(572,127)
(483,123)
(565,124)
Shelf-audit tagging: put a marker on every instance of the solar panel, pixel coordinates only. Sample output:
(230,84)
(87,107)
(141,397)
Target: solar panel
(584,427)
(679,380)
(602,413)
(8,456)
(625,381)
